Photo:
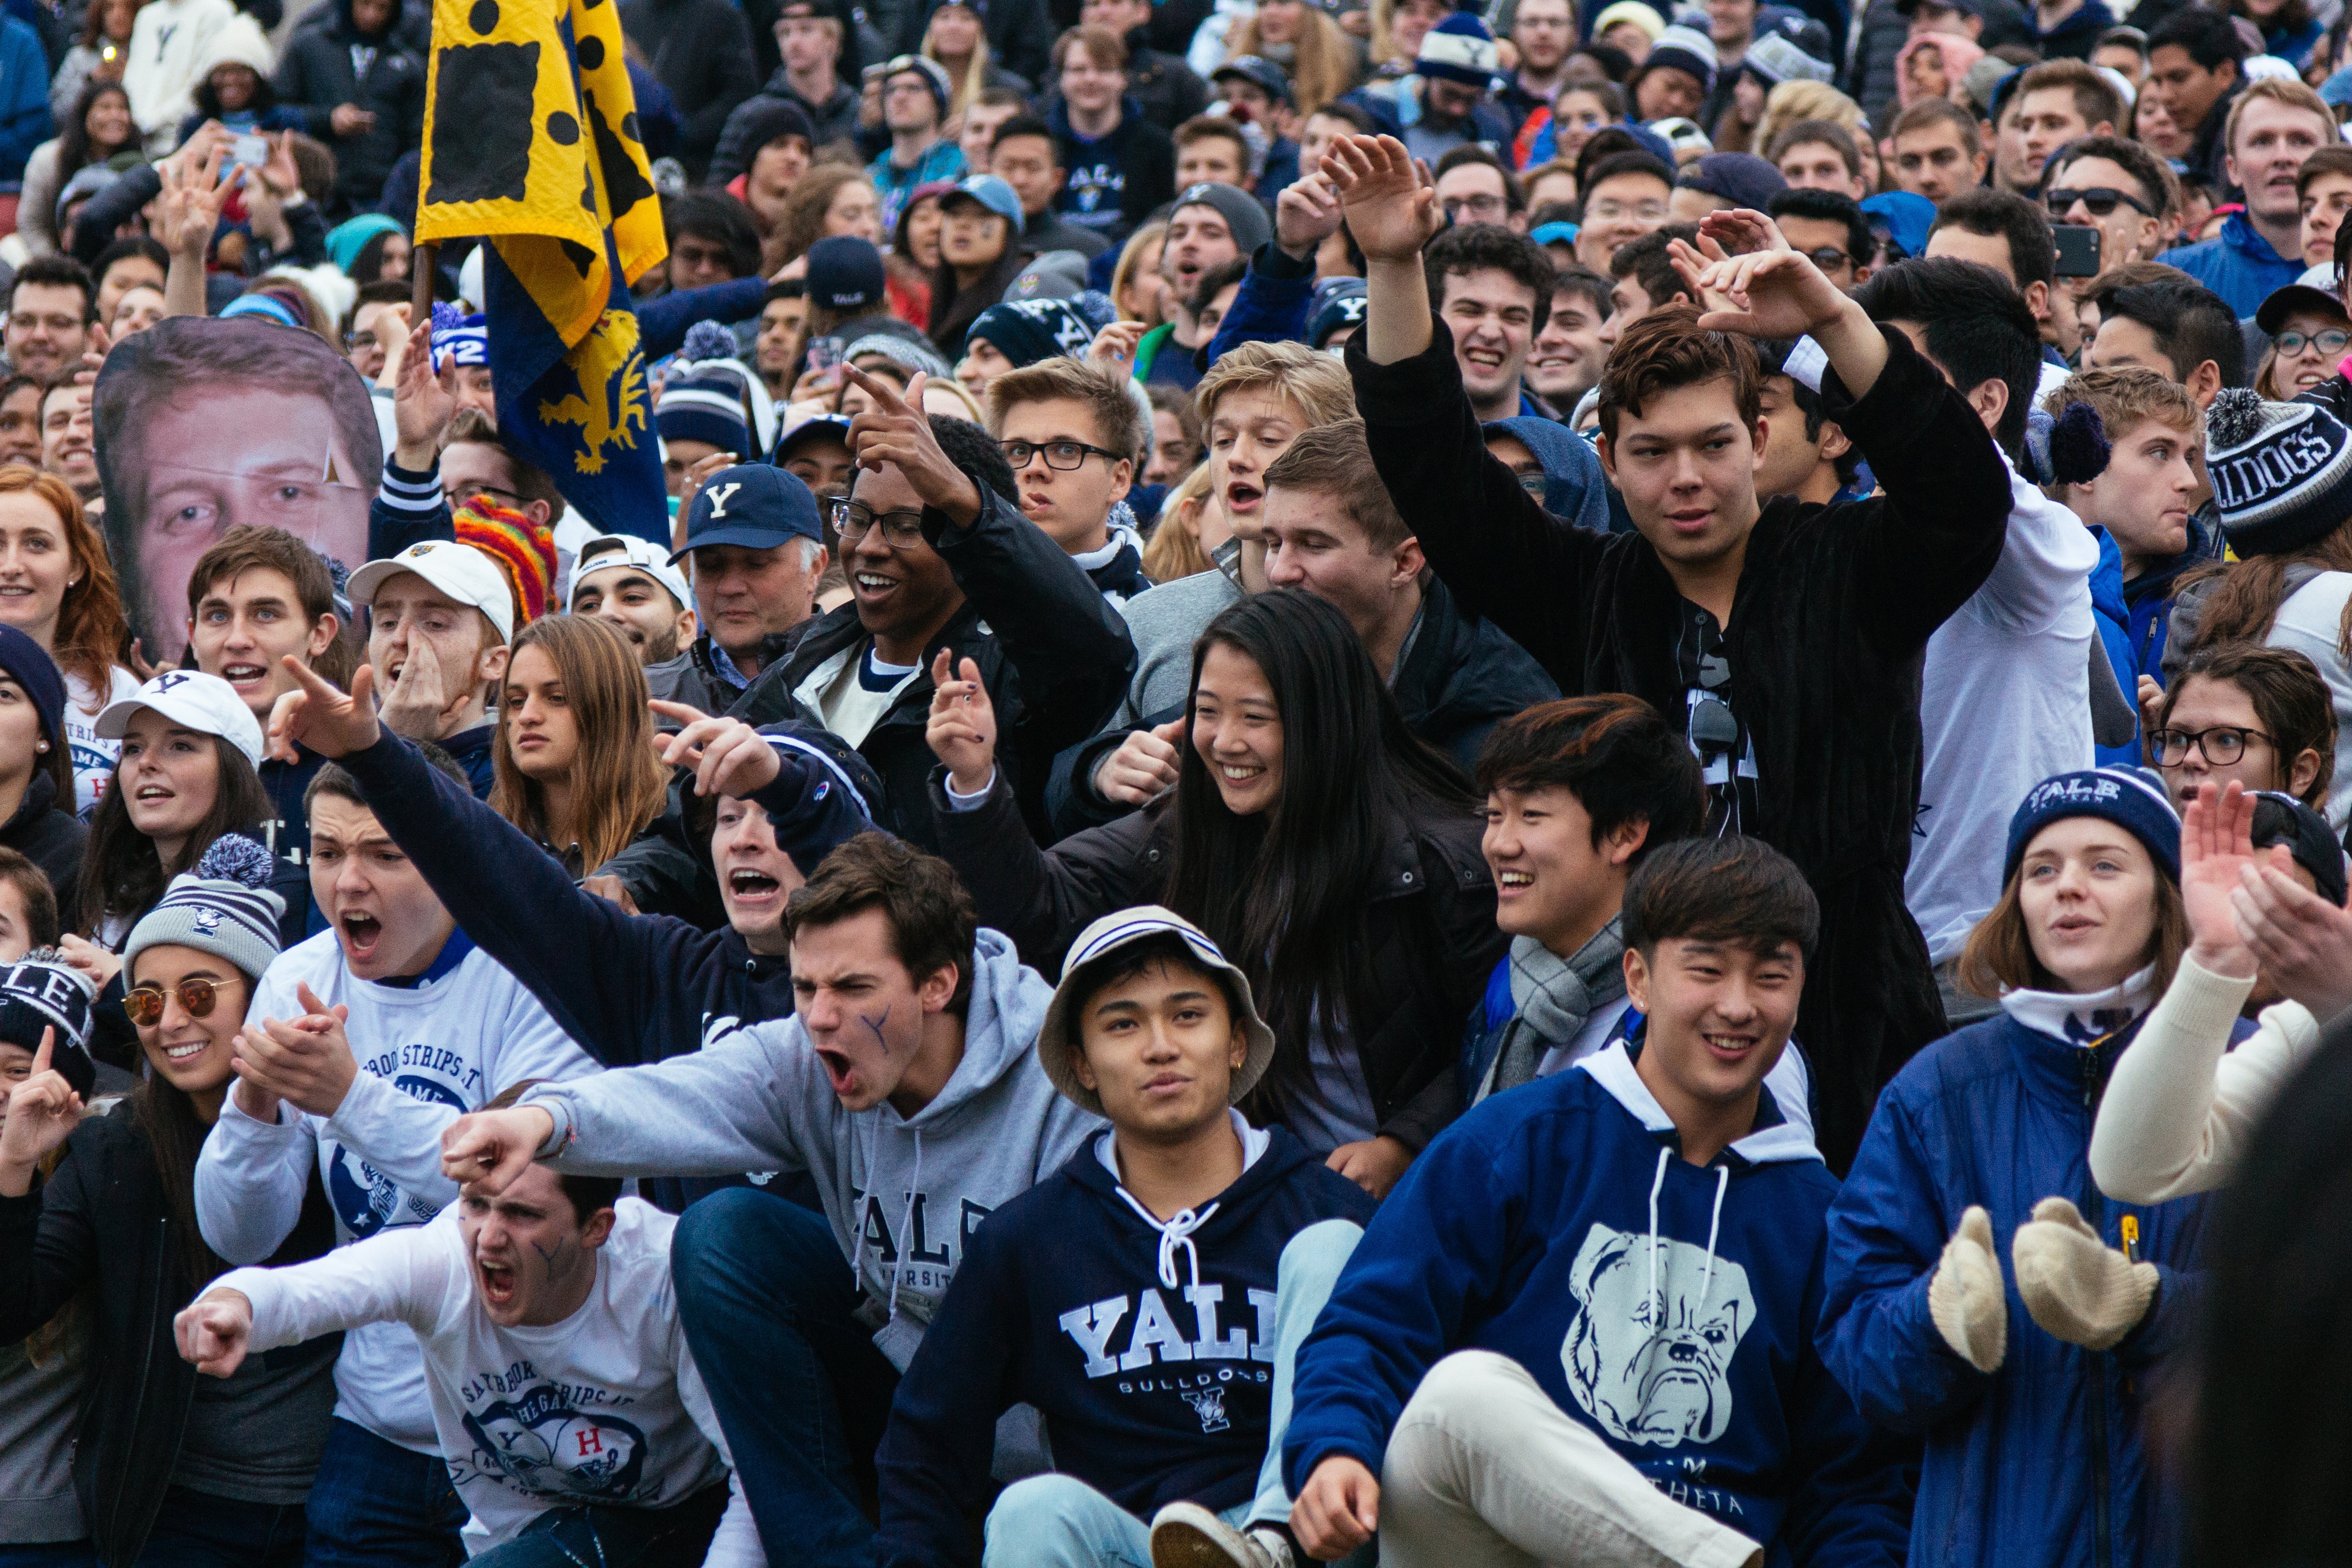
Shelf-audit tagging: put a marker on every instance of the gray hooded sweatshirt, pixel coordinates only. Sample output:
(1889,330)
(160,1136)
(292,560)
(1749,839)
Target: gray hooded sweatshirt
(903,1194)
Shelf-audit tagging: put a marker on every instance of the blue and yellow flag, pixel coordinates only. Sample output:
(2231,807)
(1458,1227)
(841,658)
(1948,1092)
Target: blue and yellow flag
(531,140)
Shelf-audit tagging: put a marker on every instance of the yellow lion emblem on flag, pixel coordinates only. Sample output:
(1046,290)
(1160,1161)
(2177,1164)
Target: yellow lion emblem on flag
(609,406)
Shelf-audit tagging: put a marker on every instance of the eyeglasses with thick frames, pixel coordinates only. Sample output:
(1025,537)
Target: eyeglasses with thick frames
(145,1002)
(2099,201)
(900,529)
(1065,456)
(2221,745)
(2332,342)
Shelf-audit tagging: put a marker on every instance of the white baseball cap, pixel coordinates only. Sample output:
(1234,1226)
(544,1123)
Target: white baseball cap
(194,701)
(628,550)
(463,573)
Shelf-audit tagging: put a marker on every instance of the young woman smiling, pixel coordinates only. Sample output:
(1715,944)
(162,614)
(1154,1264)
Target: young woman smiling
(574,761)
(56,587)
(181,1470)
(1308,830)
(36,816)
(1976,1161)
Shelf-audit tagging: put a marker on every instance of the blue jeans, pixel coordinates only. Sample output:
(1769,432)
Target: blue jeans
(374,1504)
(769,1307)
(592,1537)
(194,1530)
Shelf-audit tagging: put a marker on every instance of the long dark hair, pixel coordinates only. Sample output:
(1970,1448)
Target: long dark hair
(175,1136)
(73,136)
(122,875)
(1288,897)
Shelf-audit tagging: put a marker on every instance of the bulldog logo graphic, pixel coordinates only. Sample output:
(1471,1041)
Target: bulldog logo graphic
(1652,1368)
(1209,1404)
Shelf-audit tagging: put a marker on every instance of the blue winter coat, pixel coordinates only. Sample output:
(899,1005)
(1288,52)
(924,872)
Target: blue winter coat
(24,121)
(2107,609)
(2238,264)
(2148,597)
(2038,1463)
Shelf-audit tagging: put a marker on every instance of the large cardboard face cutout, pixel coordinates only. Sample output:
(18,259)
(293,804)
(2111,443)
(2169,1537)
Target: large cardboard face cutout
(203,424)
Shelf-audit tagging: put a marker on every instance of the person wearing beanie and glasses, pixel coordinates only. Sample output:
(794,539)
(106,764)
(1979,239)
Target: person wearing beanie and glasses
(1982,1291)
(915,96)
(185,1473)
(37,783)
(1147,1297)
(361,1044)
(2282,478)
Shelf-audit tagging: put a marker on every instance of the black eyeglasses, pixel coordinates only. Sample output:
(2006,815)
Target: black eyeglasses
(1828,258)
(2221,745)
(145,1002)
(1065,456)
(900,529)
(2099,201)
(2334,340)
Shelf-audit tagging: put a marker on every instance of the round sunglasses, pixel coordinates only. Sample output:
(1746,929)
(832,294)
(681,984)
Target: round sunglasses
(145,1002)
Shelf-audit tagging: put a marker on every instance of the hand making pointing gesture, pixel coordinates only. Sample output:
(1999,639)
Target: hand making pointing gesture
(897,431)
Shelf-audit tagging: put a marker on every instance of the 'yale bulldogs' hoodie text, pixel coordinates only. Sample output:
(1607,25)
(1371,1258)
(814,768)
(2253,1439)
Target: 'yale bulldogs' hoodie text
(1148,1346)
(903,1194)
(1670,1307)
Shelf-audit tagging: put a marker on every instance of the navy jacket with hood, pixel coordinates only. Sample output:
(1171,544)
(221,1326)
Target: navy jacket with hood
(317,72)
(2148,597)
(1153,1363)
(2038,1463)
(1115,181)
(1536,1227)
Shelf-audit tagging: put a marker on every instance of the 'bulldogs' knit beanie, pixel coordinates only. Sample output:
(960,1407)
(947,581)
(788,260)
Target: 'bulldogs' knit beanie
(2282,472)
(2131,798)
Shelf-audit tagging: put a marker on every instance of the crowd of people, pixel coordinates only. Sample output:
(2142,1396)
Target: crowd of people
(1449,786)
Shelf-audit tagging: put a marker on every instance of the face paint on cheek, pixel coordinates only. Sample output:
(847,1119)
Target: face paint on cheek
(560,1261)
(876,1025)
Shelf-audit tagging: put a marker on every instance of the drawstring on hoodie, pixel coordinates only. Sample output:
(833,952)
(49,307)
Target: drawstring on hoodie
(1175,1232)
(906,1221)
(1714,1233)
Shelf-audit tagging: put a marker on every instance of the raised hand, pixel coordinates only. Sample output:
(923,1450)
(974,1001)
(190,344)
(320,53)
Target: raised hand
(1114,345)
(330,722)
(1306,214)
(1389,208)
(1145,764)
(2217,848)
(92,960)
(485,1152)
(213,1330)
(188,208)
(424,401)
(728,756)
(42,1111)
(1774,291)
(962,727)
(897,431)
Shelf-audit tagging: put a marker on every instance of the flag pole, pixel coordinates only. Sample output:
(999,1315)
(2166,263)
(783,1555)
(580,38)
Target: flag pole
(421,266)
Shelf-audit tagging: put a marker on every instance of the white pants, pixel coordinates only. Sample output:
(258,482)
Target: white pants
(1059,1522)
(1484,1472)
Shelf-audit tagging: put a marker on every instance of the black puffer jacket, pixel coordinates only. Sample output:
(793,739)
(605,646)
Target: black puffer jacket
(1055,656)
(316,73)
(1829,623)
(1431,927)
(101,1230)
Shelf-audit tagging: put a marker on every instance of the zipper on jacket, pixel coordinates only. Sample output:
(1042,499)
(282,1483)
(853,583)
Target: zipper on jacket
(2097,1364)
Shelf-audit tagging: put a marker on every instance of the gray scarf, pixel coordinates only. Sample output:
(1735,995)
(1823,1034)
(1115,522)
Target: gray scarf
(1554,996)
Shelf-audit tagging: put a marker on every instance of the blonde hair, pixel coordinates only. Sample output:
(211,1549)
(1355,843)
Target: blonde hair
(2276,90)
(1175,548)
(1316,383)
(618,786)
(950,386)
(1103,393)
(1130,260)
(975,70)
(1322,64)
(1794,100)
(2123,395)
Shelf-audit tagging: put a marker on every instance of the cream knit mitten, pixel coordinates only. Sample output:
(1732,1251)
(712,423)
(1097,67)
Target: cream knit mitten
(1965,1300)
(2077,1287)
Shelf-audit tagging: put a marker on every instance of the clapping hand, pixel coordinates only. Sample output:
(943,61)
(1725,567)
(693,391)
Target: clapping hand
(2216,848)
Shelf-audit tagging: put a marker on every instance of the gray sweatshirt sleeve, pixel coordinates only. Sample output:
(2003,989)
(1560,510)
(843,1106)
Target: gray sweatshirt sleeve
(728,1108)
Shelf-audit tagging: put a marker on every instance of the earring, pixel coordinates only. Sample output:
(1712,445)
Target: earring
(41,746)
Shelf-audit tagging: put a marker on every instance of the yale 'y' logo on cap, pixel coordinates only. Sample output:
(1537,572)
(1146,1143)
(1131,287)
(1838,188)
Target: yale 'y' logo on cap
(720,495)
(208,921)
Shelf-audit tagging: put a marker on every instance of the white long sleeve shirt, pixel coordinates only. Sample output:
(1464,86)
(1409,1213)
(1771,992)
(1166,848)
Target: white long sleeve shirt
(427,1054)
(605,1408)
(2181,1104)
(2004,702)
(163,63)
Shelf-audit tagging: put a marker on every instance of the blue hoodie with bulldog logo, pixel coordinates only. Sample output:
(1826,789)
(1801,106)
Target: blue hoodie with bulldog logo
(1669,1307)
(1149,1347)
